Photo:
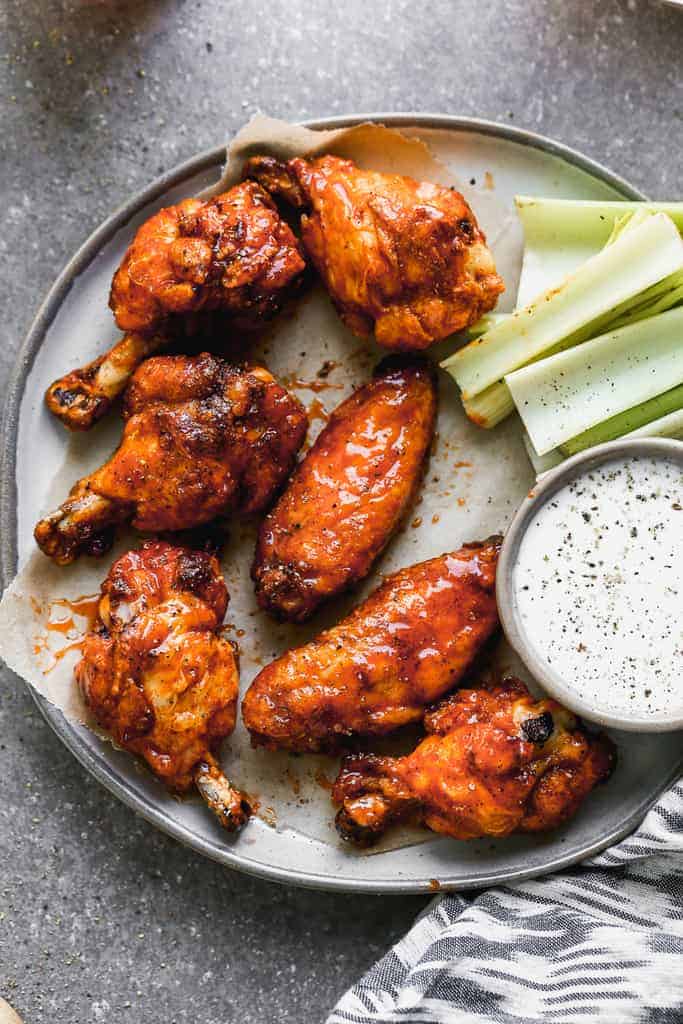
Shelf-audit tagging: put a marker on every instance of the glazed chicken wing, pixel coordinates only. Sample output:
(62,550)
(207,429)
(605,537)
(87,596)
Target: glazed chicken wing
(202,438)
(496,762)
(402,257)
(158,677)
(409,643)
(348,496)
(232,253)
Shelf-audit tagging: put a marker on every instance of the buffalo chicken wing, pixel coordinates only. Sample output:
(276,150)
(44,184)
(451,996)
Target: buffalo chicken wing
(158,677)
(232,253)
(349,494)
(406,646)
(402,257)
(202,438)
(496,762)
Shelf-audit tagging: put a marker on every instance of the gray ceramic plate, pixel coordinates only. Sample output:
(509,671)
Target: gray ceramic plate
(518,162)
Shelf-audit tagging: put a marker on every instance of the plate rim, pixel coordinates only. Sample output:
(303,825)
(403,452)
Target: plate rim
(69,734)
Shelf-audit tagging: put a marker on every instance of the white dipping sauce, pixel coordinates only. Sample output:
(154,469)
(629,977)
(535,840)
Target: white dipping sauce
(599,585)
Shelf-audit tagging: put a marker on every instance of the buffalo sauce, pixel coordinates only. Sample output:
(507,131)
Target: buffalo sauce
(62,617)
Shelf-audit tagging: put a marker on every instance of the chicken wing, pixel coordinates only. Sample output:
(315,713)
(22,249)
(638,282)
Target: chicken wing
(406,258)
(83,396)
(496,762)
(232,252)
(409,643)
(158,677)
(202,438)
(349,494)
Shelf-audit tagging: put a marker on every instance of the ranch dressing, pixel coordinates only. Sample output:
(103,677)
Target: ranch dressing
(599,585)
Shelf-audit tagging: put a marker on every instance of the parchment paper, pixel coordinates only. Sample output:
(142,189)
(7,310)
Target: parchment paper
(473,485)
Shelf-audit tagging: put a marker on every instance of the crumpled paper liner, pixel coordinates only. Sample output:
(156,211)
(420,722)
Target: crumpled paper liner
(474,482)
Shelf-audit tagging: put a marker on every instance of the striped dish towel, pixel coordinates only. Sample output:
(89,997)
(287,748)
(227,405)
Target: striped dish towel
(602,942)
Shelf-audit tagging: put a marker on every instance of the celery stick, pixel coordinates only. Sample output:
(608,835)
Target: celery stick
(667,426)
(621,224)
(490,406)
(566,394)
(493,404)
(657,299)
(626,422)
(634,262)
(589,219)
(670,425)
(561,234)
(541,463)
(626,222)
(485,323)
(629,221)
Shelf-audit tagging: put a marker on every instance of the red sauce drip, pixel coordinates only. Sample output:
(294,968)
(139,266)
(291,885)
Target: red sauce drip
(65,624)
(84,607)
(317,411)
(323,780)
(316,385)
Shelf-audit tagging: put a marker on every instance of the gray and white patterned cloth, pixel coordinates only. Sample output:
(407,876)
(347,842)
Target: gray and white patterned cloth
(601,943)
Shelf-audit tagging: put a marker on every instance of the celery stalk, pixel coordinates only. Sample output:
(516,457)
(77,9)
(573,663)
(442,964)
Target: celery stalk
(490,406)
(568,393)
(626,422)
(635,261)
(667,426)
(561,234)
(493,404)
(541,463)
(657,299)
(485,323)
(670,425)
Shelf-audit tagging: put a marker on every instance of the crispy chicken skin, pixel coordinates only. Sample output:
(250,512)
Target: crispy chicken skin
(233,253)
(406,258)
(348,496)
(158,677)
(409,643)
(202,438)
(496,762)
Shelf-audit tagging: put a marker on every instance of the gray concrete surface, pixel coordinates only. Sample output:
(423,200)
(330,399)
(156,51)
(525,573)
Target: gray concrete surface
(102,918)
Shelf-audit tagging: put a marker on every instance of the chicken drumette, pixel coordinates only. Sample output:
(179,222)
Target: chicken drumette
(157,675)
(232,253)
(406,646)
(496,762)
(202,438)
(348,496)
(406,258)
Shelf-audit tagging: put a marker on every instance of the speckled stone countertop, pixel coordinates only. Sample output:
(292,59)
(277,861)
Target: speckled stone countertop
(101,917)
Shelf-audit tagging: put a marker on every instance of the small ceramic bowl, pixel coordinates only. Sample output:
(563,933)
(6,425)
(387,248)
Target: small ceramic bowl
(548,676)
